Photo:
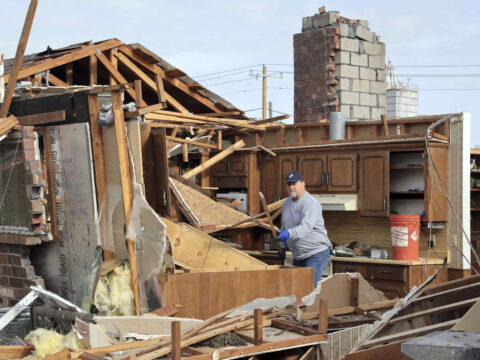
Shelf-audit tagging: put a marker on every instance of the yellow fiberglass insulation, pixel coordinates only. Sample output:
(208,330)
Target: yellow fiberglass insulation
(114,293)
(48,342)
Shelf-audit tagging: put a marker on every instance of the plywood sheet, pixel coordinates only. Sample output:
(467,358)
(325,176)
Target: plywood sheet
(197,249)
(207,210)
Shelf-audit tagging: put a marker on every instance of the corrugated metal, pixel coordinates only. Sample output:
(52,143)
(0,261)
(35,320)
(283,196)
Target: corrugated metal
(340,342)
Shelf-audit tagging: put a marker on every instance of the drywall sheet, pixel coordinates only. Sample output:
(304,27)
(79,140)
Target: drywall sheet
(66,263)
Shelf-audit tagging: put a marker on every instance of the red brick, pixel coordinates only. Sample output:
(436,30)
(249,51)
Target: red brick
(4,259)
(18,249)
(36,206)
(11,302)
(6,292)
(27,131)
(28,143)
(18,260)
(25,272)
(22,283)
(3,248)
(4,281)
(20,293)
(34,179)
(6,270)
(29,154)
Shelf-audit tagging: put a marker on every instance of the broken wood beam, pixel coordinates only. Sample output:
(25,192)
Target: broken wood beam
(385,124)
(126,183)
(14,72)
(212,161)
(7,124)
(138,95)
(176,338)
(42,118)
(192,142)
(143,110)
(266,121)
(323,316)
(258,326)
(269,218)
(160,90)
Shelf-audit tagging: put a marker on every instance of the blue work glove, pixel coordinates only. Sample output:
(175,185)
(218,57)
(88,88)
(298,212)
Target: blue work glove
(284,236)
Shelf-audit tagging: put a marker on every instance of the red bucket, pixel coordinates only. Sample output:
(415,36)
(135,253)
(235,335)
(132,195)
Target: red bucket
(405,236)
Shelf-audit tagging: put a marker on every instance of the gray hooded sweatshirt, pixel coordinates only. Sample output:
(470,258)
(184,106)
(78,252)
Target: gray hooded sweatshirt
(304,221)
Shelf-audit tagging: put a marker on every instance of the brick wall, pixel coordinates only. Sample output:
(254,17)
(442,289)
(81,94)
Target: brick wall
(16,271)
(339,65)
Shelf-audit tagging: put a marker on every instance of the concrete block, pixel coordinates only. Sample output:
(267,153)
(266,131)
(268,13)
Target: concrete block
(361,85)
(324,19)
(376,113)
(342,57)
(366,73)
(349,97)
(367,99)
(347,110)
(344,31)
(348,44)
(361,112)
(344,84)
(376,49)
(376,62)
(363,23)
(378,87)
(307,23)
(362,32)
(381,76)
(347,71)
(351,32)
(359,59)
(381,100)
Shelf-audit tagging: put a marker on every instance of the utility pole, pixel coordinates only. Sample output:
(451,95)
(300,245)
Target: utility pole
(264,93)
(270,110)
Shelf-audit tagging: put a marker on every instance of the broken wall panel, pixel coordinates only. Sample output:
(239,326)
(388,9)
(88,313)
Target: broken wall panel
(66,263)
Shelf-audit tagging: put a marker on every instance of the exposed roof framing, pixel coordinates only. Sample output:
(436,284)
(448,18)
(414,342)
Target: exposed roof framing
(111,61)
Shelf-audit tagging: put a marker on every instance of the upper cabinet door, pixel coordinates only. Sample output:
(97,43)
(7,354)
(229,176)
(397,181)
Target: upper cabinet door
(269,178)
(286,163)
(374,179)
(342,172)
(314,170)
(436,204)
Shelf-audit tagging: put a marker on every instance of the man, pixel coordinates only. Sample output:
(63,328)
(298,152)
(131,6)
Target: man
(303,229)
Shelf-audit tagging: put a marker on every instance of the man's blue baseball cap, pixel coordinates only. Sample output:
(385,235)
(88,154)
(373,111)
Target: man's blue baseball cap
(293,177)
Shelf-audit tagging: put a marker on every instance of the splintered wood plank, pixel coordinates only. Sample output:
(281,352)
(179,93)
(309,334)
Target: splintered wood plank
(15,352)
(42,118)
(212,161)
(98,159)
(162,98)
(200,250)
(192,142)
(126,181)
(17,61)
(7,124)
(118,77)
(138,93)
(93,77)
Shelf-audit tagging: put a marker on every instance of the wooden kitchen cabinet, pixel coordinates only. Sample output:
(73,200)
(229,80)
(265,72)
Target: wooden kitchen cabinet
(231,172)
(374,180)
(394,280)
(335,172)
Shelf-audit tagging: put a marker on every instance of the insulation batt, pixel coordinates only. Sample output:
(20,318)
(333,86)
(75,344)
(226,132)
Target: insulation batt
(48,342)
(114,294)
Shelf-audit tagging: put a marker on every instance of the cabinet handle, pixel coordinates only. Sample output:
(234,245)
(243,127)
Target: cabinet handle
(349,269)
(328,178)
(323,178)
(229,167)
(384,203)
(389,272)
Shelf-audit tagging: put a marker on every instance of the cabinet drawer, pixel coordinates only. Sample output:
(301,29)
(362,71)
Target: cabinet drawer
(391,291)
(390,273)
(340,267)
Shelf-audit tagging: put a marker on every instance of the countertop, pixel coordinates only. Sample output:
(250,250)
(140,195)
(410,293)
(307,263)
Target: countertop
(430,261)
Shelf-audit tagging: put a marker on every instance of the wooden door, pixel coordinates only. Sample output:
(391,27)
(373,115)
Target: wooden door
(286,163)
(436,205)
(313,167)
(342,172)
(374,180)
(268,178)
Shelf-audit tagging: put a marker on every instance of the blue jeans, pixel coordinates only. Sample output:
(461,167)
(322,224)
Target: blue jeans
(316,261)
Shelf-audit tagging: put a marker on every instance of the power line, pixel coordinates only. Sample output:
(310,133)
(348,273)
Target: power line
(229,82)
(226,71)
(249,90)
(438,75)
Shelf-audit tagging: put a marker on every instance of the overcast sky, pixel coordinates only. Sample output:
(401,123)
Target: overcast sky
(208,37)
